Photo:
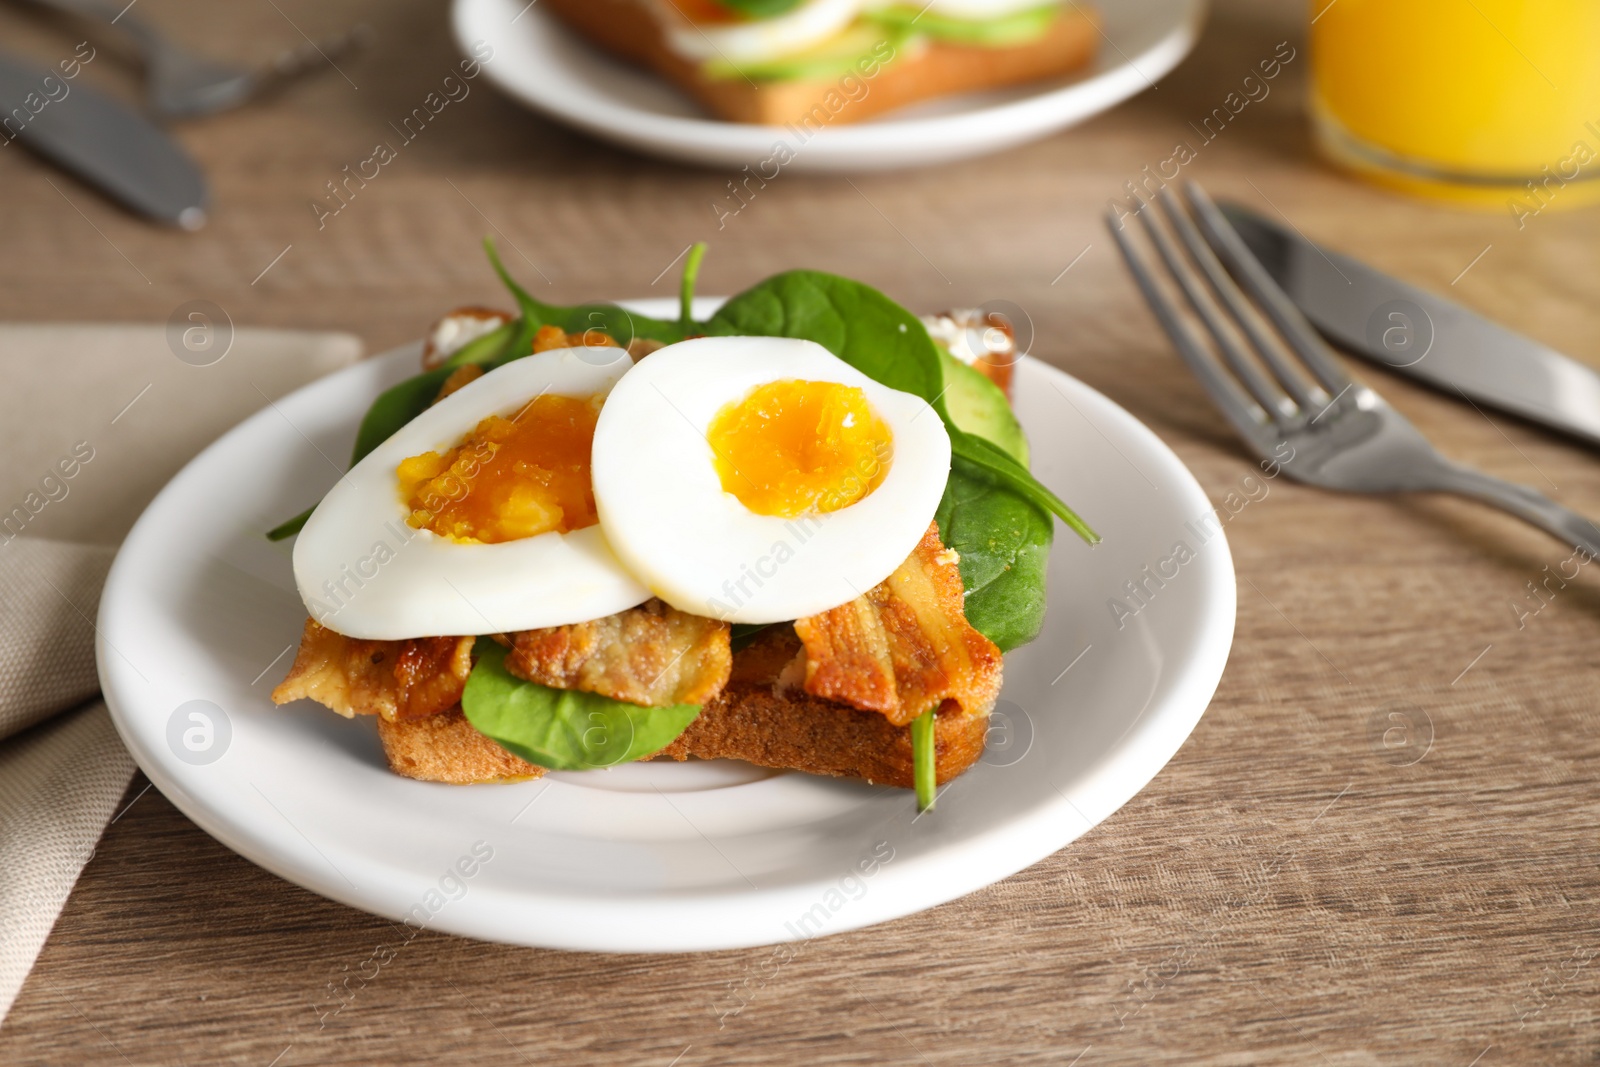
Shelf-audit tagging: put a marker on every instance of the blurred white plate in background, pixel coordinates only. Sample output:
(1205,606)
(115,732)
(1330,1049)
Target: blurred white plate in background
(551,69)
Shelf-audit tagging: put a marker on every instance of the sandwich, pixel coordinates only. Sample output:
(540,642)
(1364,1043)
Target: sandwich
(812,63)
(801,534)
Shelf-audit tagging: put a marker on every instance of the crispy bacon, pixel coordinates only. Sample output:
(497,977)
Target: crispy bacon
(901,649)
(651,655)
(397,680)
(905,646)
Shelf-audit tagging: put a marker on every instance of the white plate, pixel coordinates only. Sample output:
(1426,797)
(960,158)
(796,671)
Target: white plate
(540,62)
(200,607)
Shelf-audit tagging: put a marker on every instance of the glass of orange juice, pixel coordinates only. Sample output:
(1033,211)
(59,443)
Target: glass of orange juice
(1493,103)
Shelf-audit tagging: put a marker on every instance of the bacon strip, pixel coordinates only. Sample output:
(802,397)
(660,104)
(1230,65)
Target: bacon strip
(905,646)
(652,655)
(901,649)
(397,680)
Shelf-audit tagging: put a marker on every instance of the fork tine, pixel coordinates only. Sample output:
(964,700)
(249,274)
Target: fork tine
(1247,417)
(1295,381)
(1302,338)
(1266,394)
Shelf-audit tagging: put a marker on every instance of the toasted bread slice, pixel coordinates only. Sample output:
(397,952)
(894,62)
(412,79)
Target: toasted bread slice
(628,29)
(787,729)
(445,748)
(790,729)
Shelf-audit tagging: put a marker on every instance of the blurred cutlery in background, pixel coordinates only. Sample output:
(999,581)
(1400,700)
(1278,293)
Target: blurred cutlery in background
(180,84)
(102,141)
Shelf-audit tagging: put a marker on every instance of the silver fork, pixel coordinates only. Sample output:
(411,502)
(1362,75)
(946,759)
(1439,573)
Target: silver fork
(1279,384)
(182,84)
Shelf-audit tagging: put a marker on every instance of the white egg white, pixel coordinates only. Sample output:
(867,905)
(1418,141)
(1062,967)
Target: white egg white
(363,572)
(697,547)
(758,40)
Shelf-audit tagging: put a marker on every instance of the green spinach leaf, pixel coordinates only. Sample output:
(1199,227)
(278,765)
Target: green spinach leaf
(563,729)
(1009,473)
(622,325)
(1004,544)
(289,527)
(855,322)
(691,275)
(396,406)
(925,759)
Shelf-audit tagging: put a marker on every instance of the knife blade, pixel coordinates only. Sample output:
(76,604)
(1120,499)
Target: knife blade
(102,141)
(1424,336)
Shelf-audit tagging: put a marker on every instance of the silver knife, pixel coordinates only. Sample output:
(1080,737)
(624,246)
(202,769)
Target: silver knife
(1422,335)
(105,143)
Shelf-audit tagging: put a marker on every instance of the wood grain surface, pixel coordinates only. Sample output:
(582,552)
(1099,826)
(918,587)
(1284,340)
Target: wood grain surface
(1288,890)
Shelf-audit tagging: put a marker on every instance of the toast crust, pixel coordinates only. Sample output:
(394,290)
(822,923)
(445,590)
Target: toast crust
(445,748)
(627,29)
(791,730)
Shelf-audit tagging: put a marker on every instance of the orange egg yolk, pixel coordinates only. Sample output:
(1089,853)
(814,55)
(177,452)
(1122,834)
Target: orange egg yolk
(510,478)
(793,447)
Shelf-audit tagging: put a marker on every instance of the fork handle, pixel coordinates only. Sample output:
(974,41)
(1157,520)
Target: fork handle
(110,14)
(1525,503)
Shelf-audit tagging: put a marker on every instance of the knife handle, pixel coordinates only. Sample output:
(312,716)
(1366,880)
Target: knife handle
(1525,503)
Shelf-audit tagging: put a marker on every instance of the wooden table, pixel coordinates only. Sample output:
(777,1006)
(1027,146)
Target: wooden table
(1286,891)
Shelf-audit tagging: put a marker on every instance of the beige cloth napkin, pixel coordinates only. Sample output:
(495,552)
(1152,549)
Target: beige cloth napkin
(95,420)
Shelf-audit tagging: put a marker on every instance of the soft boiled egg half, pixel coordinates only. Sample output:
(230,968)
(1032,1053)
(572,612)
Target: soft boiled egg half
(762,479)
(476,517)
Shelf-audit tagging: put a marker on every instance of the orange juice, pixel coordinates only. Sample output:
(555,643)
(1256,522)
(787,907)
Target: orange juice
(1479,101)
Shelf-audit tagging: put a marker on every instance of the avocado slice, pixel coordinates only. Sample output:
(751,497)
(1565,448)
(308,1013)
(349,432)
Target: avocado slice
(977,406)
(1004,32)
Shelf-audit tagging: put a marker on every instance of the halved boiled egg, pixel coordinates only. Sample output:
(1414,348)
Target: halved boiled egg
(703,30)
(761,479)
(477,516)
